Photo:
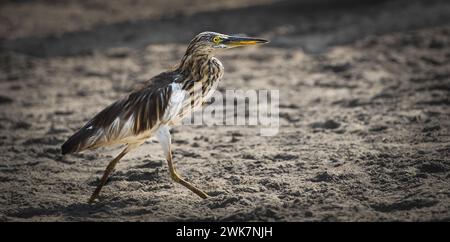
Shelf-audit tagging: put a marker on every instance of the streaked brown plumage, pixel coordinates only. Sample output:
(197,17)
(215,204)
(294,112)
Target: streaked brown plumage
(164,100)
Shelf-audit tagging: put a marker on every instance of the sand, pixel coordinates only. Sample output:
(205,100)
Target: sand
(364,112)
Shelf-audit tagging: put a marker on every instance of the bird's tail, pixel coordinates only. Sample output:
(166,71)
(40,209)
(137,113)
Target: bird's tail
(81,140)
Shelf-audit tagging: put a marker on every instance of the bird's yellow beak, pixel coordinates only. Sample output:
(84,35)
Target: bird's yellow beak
(233,41)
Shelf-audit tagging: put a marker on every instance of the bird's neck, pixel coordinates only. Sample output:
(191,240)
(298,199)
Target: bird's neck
(193,64)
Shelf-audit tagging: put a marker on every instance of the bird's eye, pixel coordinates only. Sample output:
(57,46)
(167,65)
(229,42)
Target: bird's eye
(216,39)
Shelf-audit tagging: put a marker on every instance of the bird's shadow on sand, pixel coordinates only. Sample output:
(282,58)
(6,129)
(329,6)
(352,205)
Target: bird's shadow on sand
(105,205)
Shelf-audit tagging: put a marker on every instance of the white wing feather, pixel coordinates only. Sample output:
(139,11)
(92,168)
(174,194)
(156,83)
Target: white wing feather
(175,102)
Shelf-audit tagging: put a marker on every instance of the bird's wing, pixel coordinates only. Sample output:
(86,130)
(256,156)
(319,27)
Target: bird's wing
(131,117)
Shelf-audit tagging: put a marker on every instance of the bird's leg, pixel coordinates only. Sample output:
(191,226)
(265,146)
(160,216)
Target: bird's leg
(177,178)
(164,138)
(106,174)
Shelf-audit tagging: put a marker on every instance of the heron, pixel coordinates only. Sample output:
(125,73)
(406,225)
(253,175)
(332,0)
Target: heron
(152,109)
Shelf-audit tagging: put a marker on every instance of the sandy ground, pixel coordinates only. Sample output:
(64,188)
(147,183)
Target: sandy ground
(364,111)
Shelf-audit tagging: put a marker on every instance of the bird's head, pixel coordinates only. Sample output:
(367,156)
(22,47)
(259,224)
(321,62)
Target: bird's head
(209,42)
